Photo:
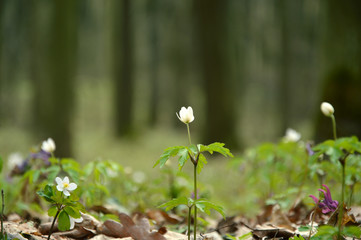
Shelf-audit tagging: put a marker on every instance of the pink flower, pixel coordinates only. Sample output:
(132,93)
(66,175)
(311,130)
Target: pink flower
(327,204)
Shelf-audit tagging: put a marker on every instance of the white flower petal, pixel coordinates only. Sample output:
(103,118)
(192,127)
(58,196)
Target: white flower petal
(72,186)
(190,110)
(51,144)
(186,115)
(78,220)
(60,188)
(66,193)
(59,181)
(72,223)
(66,180)
(178,116)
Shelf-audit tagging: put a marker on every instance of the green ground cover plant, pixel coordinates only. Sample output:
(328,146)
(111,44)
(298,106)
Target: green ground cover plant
(194,153)
(280,173)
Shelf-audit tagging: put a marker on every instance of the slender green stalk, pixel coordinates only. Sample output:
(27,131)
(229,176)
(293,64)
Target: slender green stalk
(2,212)
(195,199)
(52,224)
(340,215)
(334,126)
(351,194)
(189,135)
(189,222)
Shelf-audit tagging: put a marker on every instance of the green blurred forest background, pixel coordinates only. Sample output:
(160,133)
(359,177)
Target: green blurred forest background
(104,78)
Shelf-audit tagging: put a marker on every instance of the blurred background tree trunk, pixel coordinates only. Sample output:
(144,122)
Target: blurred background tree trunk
(13,19)
(285,57)
(53,59)
(219,124)
(342,69)
(123,67)
(2,11)
(153,34)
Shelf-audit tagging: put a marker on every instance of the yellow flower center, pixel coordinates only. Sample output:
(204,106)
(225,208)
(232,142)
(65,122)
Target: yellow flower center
(65,185)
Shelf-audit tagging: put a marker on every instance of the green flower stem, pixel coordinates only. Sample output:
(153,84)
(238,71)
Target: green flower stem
(195,199)
(189,222)
(189,134)
(2,212)
(334,126)
(52,224)
(340,215)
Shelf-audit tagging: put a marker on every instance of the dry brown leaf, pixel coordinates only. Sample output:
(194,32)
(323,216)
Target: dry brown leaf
(161,217)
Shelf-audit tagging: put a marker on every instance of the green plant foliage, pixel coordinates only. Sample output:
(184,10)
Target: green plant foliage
(177,202)
(297,238)
(352,231)
(1,164)
(215,147)
(273,173)
(326,232)
(202,161)
(168,153)
(243,237)
(205,206)
(63,221)
(62,207)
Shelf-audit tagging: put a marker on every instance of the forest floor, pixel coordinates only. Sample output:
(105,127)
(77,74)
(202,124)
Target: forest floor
(155,224)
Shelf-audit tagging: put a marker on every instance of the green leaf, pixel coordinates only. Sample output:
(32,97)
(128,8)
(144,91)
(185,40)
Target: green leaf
(168,153)
(52,171)
(326,232)
(63,221)
(304,228)
(183,157)
(297,238)
(352,231)
(204,205)
(52,211)
(72,212)
(216,147)
(47,193)
(1,164)
(176,202)
(201,162)
(230,237)
(245,236)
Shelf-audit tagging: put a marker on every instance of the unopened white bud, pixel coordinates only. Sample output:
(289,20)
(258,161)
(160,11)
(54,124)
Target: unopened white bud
(327,109)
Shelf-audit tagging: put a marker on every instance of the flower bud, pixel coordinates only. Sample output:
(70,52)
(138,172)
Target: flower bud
(327,109)
(186,115)
(48,145)
(292,135)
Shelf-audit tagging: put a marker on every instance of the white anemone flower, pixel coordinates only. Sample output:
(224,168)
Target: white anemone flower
(64,185)
(186,115)
(14,159)
(292,135)
(74,220)
(48,145)
(327,109)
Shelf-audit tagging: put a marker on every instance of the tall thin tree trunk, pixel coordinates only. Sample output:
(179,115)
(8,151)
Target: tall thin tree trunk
(53,71)
(284,66)
(342,70)
(1,50)
(123,67)
(213,41)
(152,7)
